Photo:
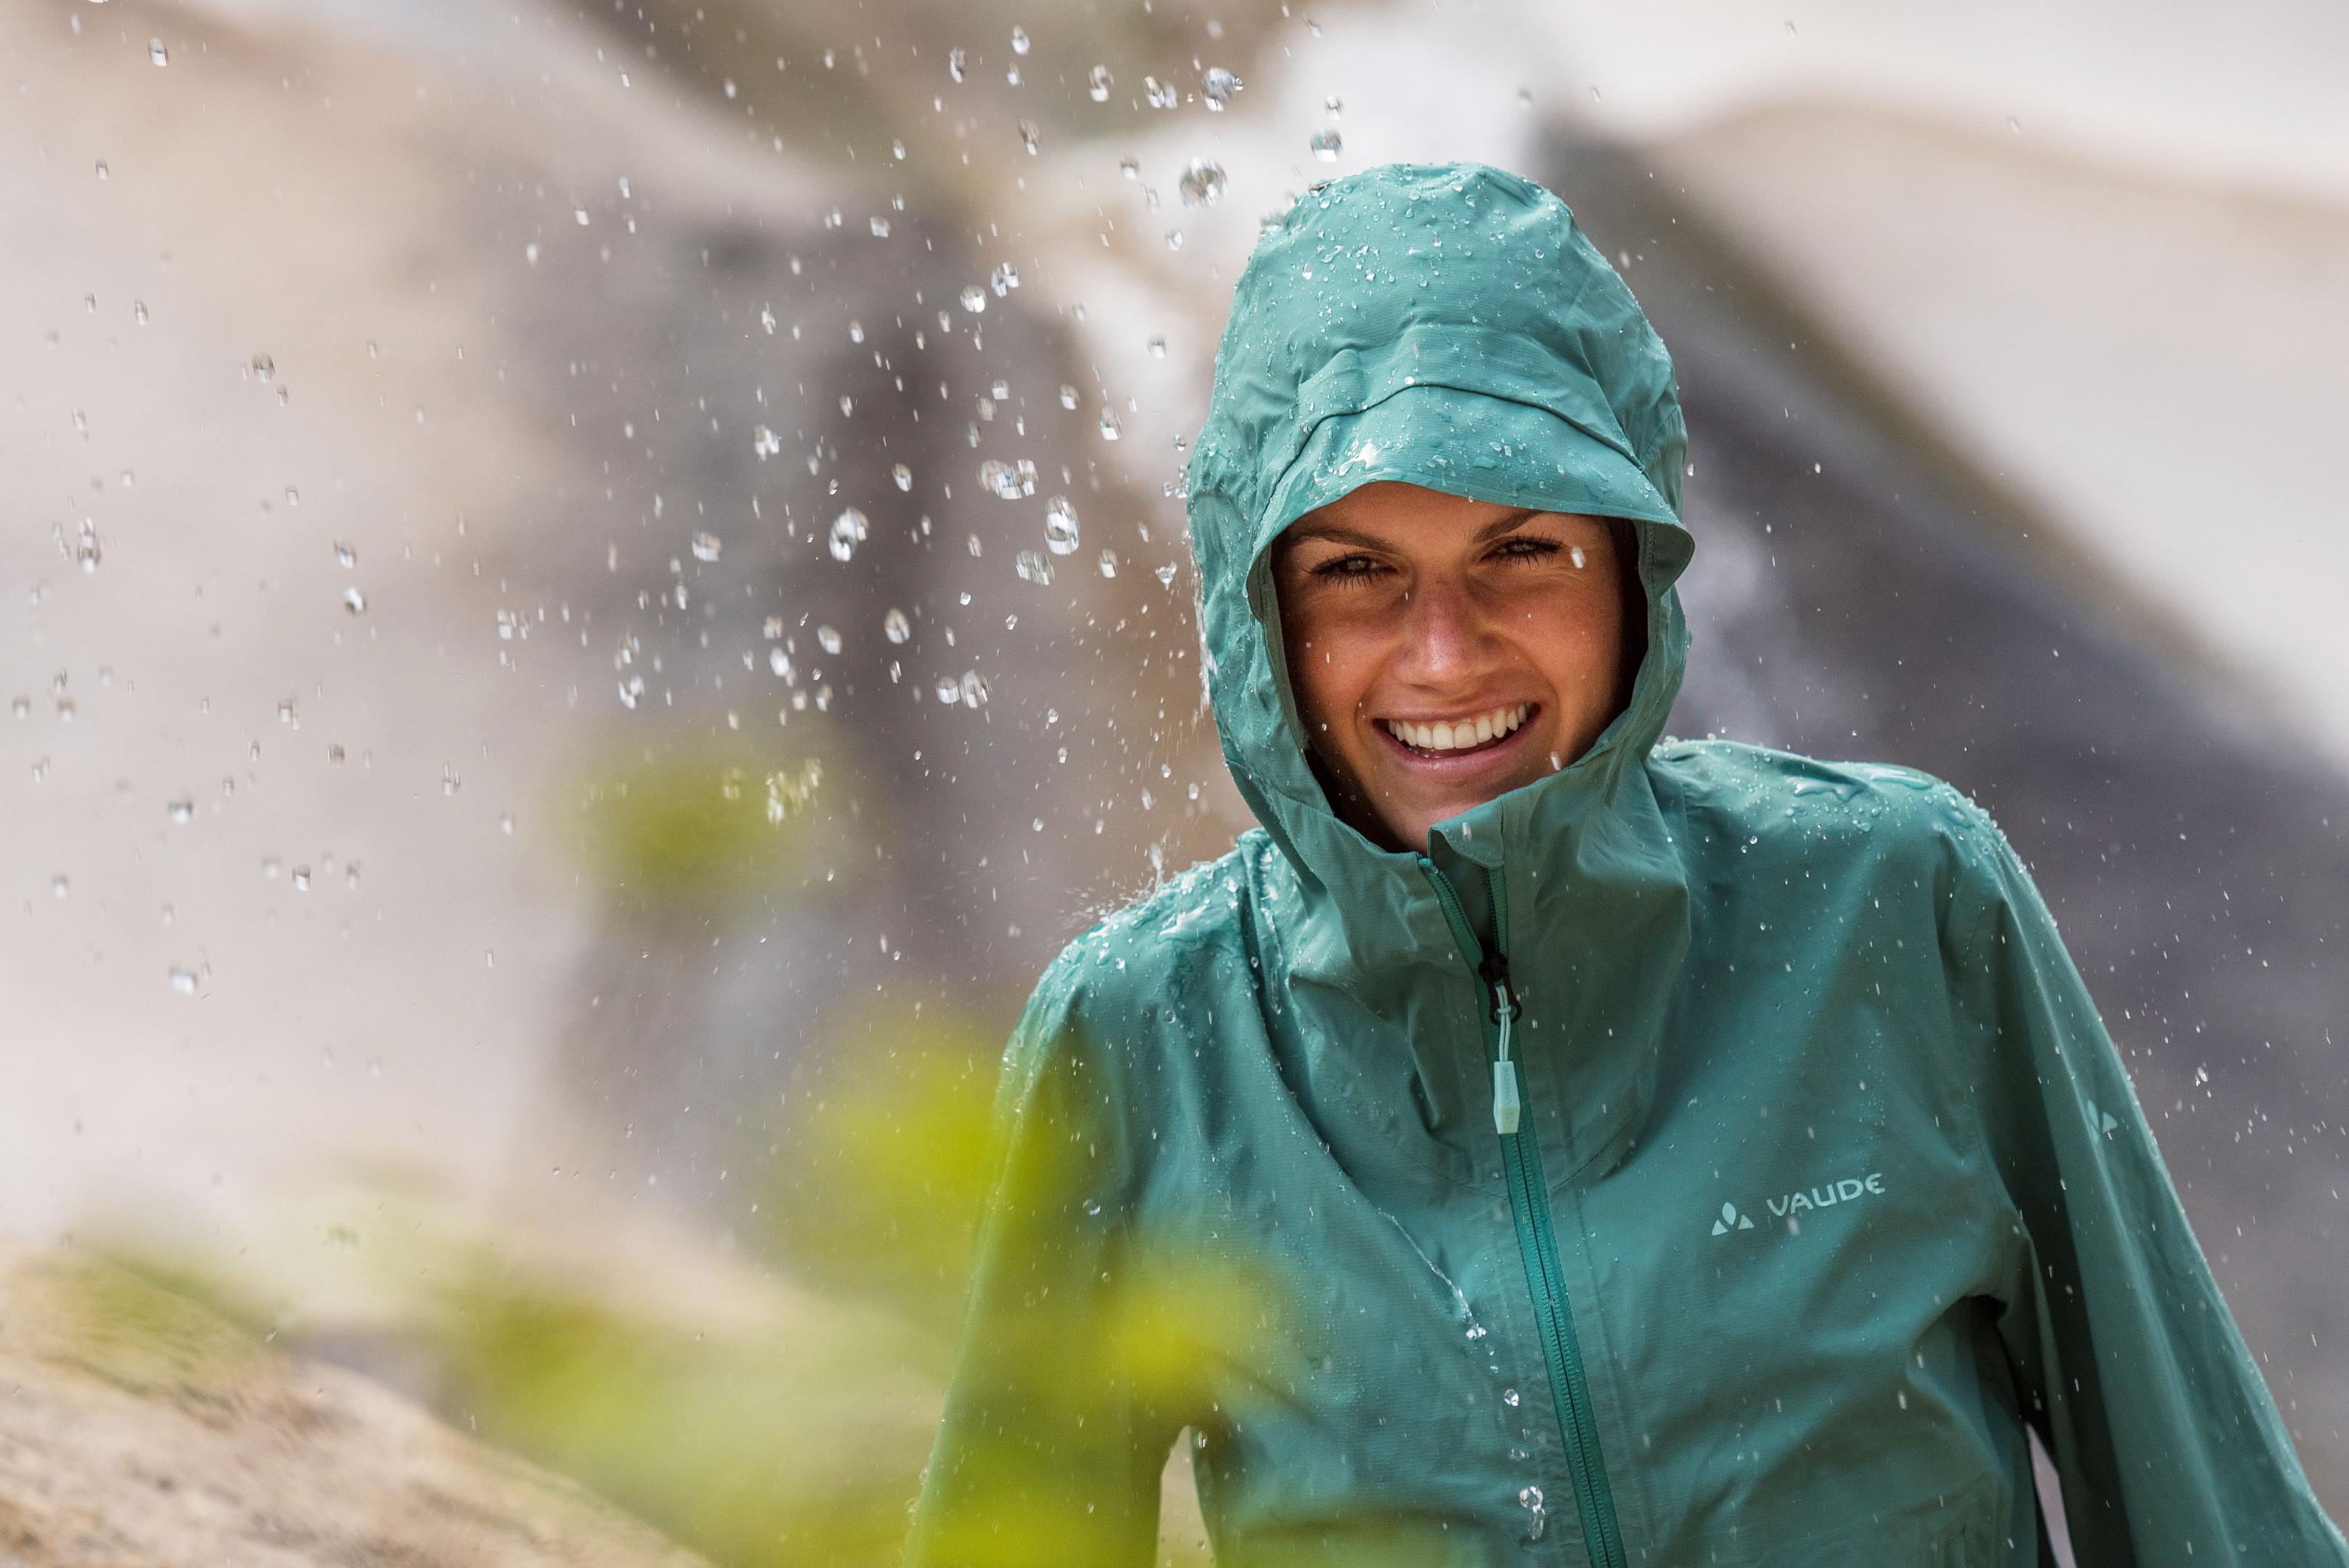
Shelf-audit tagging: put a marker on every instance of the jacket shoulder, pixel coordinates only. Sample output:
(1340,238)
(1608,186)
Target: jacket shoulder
(1766,795)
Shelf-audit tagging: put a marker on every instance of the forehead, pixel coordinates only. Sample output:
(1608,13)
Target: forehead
(1402,516)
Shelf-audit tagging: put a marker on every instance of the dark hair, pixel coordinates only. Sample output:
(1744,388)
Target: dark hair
(1626,535)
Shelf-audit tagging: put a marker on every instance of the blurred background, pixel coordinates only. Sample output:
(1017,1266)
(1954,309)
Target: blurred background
(591,592)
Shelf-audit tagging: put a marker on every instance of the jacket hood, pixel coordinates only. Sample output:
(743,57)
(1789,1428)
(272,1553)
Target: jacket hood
(1451,327)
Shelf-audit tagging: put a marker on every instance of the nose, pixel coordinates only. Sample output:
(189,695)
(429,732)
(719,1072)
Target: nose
(1445,634)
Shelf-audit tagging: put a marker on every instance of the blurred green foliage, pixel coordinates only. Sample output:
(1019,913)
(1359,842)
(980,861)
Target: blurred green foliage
(702,822)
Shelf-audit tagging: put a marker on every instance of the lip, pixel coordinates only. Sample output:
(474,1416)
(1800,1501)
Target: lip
(1459,763)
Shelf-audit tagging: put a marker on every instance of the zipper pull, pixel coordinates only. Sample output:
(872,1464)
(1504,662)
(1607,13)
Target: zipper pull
(1505,1072)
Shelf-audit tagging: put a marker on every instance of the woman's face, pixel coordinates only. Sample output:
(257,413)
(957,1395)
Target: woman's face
(1443,651)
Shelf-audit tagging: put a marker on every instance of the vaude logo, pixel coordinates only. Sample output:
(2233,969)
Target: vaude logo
(1791,1205)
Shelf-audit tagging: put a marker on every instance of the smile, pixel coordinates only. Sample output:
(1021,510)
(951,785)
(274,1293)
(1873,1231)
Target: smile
(1461,734)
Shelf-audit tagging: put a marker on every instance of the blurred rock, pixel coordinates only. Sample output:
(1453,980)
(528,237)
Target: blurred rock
(141,1426)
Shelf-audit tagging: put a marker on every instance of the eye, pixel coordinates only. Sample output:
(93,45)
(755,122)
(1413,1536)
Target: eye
(1354,568)
(1526,548)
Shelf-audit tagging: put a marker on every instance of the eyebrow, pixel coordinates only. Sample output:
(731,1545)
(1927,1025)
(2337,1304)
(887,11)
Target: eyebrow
(1339,534)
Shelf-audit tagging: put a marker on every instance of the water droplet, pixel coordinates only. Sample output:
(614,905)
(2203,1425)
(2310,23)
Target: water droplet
(1109,564)
(949,689)
(896,627)
(1201,184)
(1009,481)
(880,227)
(1220,86)
(1003,280)
(354,601)
(1060,525)
(1575,554)
(1030,567)
(974,298)
(957,63)
(903,475)
(1020,45)
(848,531)
(101,168)
(1098,81)
(1166,575)
(1110,426)
(780,662)
(827,639)
(158,53)
(1032,136)
(1327,144)
(1129,167)
(182,810)
(765,443)
(183,982)
(1068,396)
(264,368)
(1335,105)
(59,888)
(579,216)
(1162,95)
(974,689)
(1510,1398)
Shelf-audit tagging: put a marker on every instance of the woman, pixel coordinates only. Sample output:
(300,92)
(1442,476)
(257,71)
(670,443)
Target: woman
(1538,1141)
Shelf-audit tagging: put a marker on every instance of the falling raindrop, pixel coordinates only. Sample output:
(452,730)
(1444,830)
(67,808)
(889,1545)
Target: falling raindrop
(1162,95)
(880,227)
(1201,184)
(827,639)
(181,811)
(1008,481)
(101,168)
(974,689)
(1109,563)
(1158,348)
(1327,144)
(974,298)
(1068,396)
(1032,136)
(264,368)
(1098,81)
(1335,105)
(895,626)
(1166,575)
(354,601)
(1060,525)
(903,475)
(345,556)
(1220,85)
(183,982)
(949,689)
(848,531)
(1030,567)
(1129,167)
(765,443)
(1110,426)
(158,53)
(1020,45)
(957,63)
(705,546)
(780,662)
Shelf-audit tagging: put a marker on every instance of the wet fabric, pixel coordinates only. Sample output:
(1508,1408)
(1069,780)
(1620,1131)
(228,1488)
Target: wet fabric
(1828,1180)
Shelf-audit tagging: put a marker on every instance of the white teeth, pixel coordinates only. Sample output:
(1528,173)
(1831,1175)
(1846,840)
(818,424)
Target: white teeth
(1458,735)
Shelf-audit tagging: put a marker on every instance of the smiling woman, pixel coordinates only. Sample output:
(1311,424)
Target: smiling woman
(1542,1140)
(1445,650)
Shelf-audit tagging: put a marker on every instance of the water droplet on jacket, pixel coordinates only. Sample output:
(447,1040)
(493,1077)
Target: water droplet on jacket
(1203,182)
(848,531)
(1510,1398)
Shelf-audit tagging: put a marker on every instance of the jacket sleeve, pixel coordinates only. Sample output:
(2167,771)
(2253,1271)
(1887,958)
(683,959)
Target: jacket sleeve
(2170,1448)
(1048,1452)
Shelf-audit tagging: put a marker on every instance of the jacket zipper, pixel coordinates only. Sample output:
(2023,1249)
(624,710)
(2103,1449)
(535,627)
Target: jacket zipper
(1536,1239)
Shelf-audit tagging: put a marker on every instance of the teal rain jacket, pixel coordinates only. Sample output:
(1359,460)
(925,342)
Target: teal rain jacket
(1827,1180)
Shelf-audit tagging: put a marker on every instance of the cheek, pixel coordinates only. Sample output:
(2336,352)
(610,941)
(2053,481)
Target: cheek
(1330,670)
